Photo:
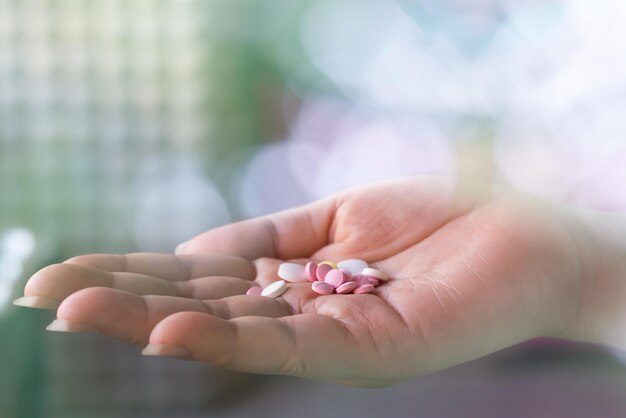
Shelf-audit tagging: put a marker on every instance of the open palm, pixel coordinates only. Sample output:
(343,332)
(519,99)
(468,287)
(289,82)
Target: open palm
(471,273)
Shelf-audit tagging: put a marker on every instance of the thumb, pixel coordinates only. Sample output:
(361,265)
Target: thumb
(289,234)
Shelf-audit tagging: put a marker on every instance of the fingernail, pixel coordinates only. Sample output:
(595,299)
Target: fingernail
(180,248)
(62,325)
(167,350)
(38,302)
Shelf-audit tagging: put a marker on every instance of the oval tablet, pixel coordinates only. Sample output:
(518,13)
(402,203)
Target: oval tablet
(366,288)
(254,291)
(370,272)
(347,287)
(322,269)
(322,288)
(275,289)
(310,269)
(353,265)
(292,272)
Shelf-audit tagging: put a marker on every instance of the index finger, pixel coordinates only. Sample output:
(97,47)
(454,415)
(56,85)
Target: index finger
(293,233)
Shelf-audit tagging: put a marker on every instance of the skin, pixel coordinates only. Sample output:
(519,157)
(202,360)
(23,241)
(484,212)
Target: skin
(473,271)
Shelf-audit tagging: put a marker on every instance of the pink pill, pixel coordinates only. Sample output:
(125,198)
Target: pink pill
(322,288)
(361,280)
(373,281)
(335,278)
(347,273)
(347,287)
(366,288)
(322,270)
(254,291)
(311,269)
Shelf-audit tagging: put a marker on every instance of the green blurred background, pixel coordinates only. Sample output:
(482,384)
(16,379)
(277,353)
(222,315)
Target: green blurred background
(108,110)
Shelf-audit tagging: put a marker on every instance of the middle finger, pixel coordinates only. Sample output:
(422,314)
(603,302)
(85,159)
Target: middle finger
(58,281)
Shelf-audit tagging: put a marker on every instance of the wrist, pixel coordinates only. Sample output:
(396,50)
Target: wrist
(601,243)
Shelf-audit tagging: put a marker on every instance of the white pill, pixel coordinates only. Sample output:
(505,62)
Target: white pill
(370,272)
(275,289)
(292,272)
(353,265)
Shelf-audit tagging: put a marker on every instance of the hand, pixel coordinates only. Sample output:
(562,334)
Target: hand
(471,273)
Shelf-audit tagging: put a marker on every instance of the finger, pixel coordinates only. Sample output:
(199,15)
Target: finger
(131,318)
(205,288)
(58,281)
(293,233)
(310,345)
(169,266)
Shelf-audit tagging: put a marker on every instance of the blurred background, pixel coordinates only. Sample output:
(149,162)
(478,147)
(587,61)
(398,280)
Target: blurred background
(132,126)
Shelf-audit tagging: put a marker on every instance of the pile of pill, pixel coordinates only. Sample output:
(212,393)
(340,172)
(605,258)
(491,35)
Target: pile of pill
(327,277)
